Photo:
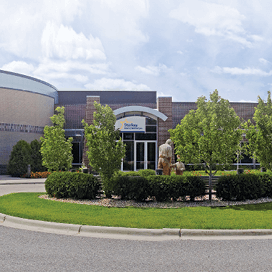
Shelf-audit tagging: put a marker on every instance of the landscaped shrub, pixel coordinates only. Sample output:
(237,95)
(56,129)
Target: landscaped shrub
(131,187)
(20,158)
(266,181)
(142,173)
(36,157)
(147,172)
(195,186)
(166,187)
(160,187)
(72,185)
(241,187)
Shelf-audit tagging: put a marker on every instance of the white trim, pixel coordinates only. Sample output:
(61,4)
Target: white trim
(150,111)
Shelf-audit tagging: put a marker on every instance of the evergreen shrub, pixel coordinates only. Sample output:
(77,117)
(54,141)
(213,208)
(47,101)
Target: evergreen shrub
(131,187)
(244,186)
(72,185)
(36,157)
(166,187)
(20,158)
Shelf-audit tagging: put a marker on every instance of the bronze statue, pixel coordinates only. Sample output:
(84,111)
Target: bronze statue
(179,166)
(165,157)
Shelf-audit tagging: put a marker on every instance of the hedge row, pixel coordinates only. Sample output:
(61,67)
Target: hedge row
(245,186)
(139,188)
(163,188)
(72,185)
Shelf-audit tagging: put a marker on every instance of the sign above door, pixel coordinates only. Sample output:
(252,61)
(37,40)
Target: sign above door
(131,124)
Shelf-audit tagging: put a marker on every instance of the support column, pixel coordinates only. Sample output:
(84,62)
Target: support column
(164,105)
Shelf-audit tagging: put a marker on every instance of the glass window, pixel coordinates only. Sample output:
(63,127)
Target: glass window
(128,136)
(150,121)
(128,163)
(151,128)
(145,136)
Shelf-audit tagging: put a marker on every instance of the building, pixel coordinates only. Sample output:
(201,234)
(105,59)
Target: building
(26,104)
(143,118)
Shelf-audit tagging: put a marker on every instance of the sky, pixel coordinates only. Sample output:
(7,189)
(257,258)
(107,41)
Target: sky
(179,48)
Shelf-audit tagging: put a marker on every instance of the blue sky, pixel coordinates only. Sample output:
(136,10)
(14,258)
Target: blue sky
(179,48)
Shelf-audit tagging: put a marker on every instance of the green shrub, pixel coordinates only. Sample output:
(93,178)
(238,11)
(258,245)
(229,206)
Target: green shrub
(195,186)
(131,187)
(72,185)
(266,182)
(146,172)
(142,173)
(166,187)
(241,187)
(36,157)
(20,158)
(160,187)
(128,174)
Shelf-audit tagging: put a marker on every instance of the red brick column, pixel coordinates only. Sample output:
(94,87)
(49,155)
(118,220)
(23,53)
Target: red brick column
(90,109)
(164,105)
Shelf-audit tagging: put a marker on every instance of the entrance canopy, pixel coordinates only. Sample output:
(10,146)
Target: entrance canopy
(138,110)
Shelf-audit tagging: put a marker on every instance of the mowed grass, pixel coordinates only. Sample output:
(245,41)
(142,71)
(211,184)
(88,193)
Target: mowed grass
(28,205)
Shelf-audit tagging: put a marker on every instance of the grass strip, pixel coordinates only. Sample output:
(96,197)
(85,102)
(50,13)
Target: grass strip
(28,205)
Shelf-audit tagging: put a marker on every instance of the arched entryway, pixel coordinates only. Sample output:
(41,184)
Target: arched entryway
(139,131)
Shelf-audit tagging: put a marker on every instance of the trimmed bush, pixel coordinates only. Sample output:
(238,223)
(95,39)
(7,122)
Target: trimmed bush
(142,173)
(131,187)
(242,187)
(147,172)
(266,181)
(166,187)
(72,185)
(195,186)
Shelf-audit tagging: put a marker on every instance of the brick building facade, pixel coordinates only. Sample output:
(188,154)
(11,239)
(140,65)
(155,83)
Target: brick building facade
(27,103)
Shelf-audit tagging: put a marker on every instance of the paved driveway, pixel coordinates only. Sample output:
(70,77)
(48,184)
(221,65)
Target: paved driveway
(11,185)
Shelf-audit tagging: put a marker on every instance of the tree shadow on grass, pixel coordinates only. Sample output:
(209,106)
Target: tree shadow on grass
(248,207)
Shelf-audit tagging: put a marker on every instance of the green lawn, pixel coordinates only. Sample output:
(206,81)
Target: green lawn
(28,205)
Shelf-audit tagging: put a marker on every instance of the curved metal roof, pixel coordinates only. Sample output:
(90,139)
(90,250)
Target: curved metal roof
(153,112)
(21,82)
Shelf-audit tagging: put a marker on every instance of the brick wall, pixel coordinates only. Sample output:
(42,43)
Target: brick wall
(164,105)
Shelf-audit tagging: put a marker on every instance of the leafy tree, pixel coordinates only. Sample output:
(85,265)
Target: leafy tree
(259,133)
(105,147)
(20,158)
(56,150)
(208,135)
(36,156)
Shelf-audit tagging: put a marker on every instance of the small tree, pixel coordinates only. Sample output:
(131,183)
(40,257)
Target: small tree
(208,135)
(20,158)
(56,150)
(105,147)
(259,135)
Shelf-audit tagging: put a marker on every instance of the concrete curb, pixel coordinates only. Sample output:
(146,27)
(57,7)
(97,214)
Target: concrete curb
(86,230)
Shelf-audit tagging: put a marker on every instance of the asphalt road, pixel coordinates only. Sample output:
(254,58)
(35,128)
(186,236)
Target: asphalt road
(24,250)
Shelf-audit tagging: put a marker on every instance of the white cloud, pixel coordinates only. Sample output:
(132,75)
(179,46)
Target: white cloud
(115,84)
(211,19)
(19,67)
(263,61)
(239,71)
(70,66)
(180,52)
(22,23)
(63,42)
(152,70)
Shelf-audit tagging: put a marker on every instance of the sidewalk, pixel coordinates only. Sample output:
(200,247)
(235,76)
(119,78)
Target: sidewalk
(13,185)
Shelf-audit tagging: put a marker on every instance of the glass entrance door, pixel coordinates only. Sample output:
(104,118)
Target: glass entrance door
(145,155)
